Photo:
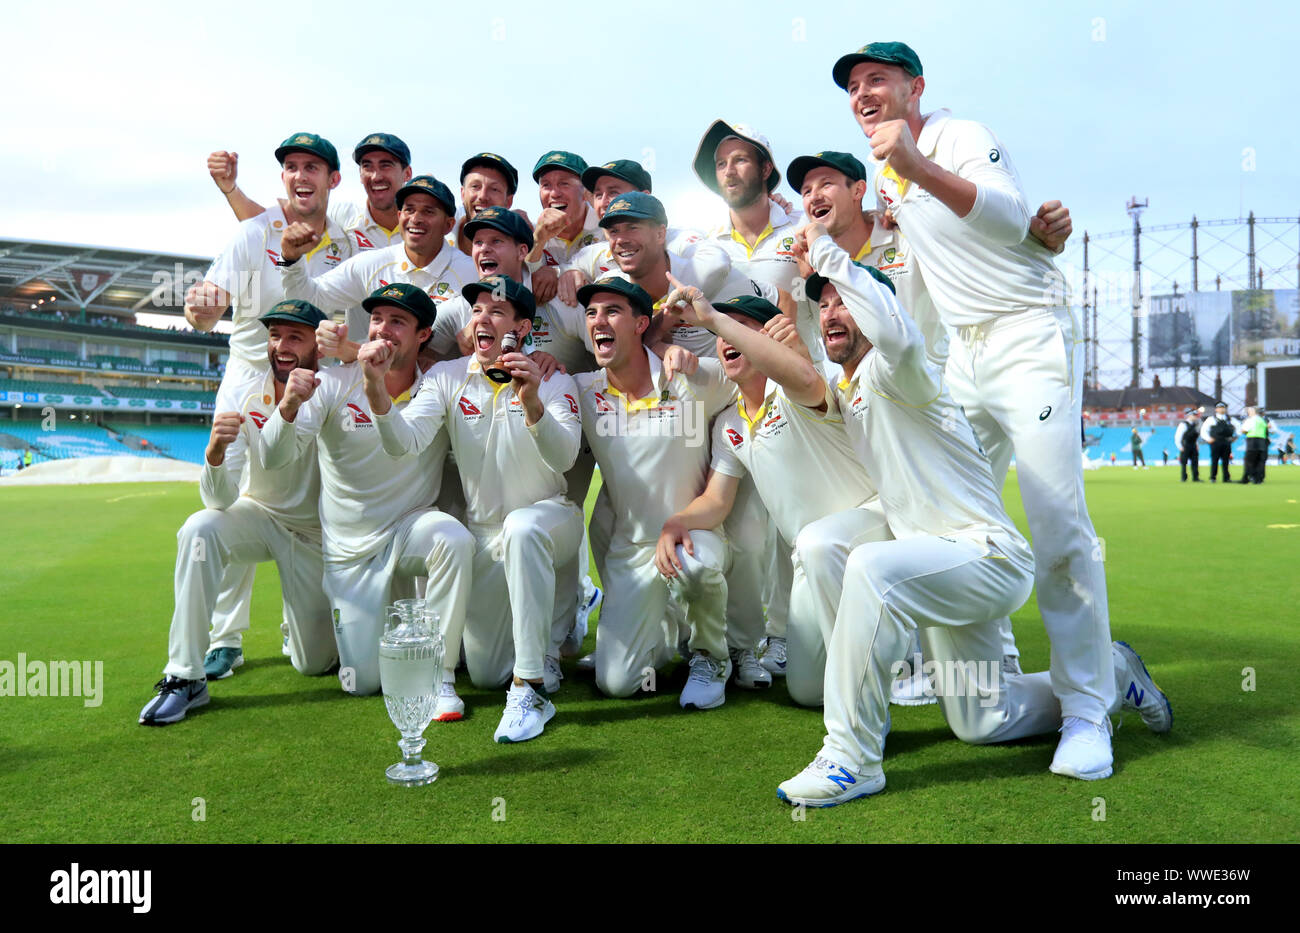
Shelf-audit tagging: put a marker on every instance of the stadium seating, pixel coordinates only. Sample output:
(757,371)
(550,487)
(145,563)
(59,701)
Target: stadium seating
(30,385)
(186,442)
(116,361)
(158,392)
(1116,441)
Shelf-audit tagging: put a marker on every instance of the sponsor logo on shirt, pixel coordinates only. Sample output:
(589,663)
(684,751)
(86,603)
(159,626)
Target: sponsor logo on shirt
(359,417)
(258,419)
(275,257)
(362,242)
(603,404)
(734,436)
(573,403)
(471,411)
(550,260)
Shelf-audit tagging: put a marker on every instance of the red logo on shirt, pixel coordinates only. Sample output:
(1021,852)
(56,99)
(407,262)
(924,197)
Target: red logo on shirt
(467,407)
(275,257)
(362,242)
(384,284)
(734,436)
(550,260)
(573,404)
(602,403)
(258,419)
(358,416)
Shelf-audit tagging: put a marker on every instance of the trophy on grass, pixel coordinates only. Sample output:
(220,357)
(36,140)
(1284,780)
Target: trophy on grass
(410,668)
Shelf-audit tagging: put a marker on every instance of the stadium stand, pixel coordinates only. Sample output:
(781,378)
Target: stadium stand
(116,361)
(31,385)
(188,442)
(1107,441)
(176,395)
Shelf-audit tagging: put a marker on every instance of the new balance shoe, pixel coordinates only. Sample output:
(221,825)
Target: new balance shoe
(827,784)
(220,663)
(773,659)
(917,690)
(551,675)
(1084,751)
(175,698)
(571,647)
(750,675)
(449,707)
(706,687)
(1138,691)
(586,663)
(526,714)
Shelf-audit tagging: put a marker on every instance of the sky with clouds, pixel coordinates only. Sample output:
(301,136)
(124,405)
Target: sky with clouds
(112,109)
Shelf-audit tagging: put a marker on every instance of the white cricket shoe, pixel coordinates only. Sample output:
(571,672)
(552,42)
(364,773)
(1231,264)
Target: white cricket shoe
(588,602)
(706,688)
(773,659)
(526,714)
(750,675)
(917,690)
(586,663)
(284,644)
(551,675)
(1084,751)
(827,784)
(449,707)
(1138,691)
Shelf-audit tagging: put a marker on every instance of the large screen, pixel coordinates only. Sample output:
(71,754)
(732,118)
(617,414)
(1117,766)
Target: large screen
(1223,328)
(1279,388)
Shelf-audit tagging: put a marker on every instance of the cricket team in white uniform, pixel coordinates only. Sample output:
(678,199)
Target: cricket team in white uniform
(840,392)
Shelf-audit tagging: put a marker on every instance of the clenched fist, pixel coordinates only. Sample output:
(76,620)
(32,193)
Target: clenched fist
(224,169)
(299,387)
(204,305)
(225,429)
(298,239)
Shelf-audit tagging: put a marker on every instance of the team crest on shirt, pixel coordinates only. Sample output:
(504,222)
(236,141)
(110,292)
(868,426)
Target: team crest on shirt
(540,328)
(773,426)
(587,240)
(359,417)
(787,247)
(334,256)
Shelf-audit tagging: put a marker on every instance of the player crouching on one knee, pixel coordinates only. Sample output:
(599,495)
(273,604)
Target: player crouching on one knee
(646,421)
(514,432)
(379,525)
(958,564)
(275,518)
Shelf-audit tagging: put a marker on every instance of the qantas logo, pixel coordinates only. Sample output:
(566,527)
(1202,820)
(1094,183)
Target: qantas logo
(550,260)
(362,242)
(258,419)
(275,257)
(602,403)
(359,417)
(573,403)
(734,436)
(467,407)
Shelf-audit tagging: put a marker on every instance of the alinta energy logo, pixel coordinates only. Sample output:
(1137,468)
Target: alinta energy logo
(36,678)
(79,885)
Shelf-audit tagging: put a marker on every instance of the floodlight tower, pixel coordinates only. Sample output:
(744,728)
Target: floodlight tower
(1135,209)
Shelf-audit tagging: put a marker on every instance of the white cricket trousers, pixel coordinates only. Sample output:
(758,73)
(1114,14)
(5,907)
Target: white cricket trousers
(747,532)
(821,552)
(1020,380)
(633,636)
(230,617)
(425,543)
(954,590)
(525,591)
(215,546)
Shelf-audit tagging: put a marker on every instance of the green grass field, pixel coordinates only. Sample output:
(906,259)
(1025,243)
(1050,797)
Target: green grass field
(1202,582)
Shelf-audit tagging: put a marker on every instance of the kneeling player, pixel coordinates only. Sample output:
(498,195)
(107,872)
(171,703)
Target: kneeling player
(376,511)
(275,519)
(650,437)
(513,448)
(958,564)
(803,466)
